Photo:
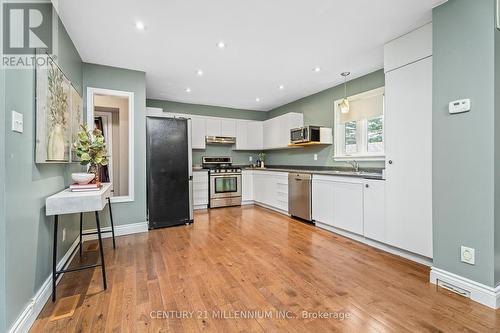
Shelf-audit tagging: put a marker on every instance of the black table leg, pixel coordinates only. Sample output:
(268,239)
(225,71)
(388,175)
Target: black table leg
(101,250)
(112,224)
(54,259)
(81,230)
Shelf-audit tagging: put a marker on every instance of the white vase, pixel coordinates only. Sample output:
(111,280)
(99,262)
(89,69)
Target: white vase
(262,164)
(55,144)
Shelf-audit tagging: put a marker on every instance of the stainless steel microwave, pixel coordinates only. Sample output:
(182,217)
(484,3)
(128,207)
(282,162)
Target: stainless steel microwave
(305,134)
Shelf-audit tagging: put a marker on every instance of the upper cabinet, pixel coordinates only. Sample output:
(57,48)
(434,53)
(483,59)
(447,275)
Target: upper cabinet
(249,135)
(228,127)
(277,130)
(408,48)
(213,127)
(220,127)
(198,132)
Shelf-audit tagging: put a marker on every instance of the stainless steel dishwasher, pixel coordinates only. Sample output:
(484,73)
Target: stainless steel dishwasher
(300,195)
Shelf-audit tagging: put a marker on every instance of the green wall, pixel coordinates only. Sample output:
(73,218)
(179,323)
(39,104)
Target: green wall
(239,157)
(206,110)
(318,109)
(463,144)
(28,246)
(497,157)
(97,76)
(2,193)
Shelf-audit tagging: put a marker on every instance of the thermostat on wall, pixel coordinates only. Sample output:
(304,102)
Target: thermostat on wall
(459,106)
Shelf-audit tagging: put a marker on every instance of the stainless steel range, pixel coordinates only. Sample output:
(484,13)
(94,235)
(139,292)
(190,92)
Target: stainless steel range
(225,181)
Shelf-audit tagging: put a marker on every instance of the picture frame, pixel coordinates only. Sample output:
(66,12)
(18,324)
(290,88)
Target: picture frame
(59,112)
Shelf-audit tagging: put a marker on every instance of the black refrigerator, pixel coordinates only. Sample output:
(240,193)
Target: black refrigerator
(169,171)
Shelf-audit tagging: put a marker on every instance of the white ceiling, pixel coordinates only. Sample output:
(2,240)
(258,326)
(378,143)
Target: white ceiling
(268,43)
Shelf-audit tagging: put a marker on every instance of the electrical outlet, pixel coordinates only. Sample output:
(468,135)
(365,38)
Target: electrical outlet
(250,158)
(467,255)
(64,235)
(315,157)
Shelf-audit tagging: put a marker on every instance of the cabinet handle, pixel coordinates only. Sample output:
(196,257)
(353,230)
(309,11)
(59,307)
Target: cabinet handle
(390,161)
(367,186)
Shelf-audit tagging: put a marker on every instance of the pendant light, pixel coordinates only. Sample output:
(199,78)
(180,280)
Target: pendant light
(344,105)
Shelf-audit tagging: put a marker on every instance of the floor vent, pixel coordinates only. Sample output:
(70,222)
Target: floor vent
(453,288)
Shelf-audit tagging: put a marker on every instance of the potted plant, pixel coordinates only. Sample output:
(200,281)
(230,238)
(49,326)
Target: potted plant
(91,149)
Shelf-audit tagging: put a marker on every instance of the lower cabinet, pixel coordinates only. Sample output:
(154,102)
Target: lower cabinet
(200,189)
(338,202)
(374,210)
(271,189)
(247,179)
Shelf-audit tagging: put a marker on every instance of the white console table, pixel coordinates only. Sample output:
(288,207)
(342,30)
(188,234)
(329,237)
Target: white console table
(68,202)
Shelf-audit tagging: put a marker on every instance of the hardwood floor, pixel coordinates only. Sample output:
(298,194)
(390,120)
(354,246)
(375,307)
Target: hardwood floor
(251,261)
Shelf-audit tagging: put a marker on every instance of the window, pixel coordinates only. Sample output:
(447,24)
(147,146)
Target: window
(359,133)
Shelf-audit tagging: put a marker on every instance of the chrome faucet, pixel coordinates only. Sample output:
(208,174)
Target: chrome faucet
(354,164)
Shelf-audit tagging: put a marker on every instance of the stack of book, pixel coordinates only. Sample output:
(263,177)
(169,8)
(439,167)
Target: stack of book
(86,187)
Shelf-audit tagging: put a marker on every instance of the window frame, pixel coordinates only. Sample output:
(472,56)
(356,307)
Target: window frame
(361,129)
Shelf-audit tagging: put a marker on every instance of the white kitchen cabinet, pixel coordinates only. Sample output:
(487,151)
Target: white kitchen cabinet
(249,135)
(374,210)
(198,132)
(271,189)
(213,126)
(408,147)
(228,127)
(348,206)
(247,184)
(408,48)
(408,136)
(277,130)
(200,189)
(338,202)
(322,200)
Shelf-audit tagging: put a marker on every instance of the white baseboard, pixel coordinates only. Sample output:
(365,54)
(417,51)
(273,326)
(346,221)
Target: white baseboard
(479,292)
(270,207)
(36,304)
(387,248)
(200,207)
(120,230)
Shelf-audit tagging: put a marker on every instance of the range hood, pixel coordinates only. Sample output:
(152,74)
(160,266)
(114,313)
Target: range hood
(221,140)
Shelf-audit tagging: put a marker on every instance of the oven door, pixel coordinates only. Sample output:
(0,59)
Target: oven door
(298,135)
(225,186)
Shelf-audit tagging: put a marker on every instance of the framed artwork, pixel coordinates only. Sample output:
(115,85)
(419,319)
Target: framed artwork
(59,111)
(76,115)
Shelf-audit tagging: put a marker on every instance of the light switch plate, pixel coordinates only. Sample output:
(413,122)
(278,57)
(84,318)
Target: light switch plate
(17,122)
(467,255)
(315,157)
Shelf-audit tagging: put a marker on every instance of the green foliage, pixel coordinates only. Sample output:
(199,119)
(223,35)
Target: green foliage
(90,147)
(375,130)
(262,156)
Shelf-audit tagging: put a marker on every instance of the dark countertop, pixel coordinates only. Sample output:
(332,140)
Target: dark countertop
(366,173)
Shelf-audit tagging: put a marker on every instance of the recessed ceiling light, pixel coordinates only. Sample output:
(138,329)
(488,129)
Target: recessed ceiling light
(257,99)
(139,25)
(199,72)
(188,90)
(317,69)
(281,87)
(221,45)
